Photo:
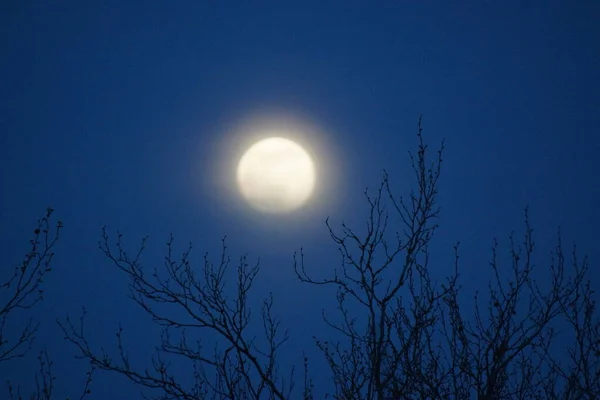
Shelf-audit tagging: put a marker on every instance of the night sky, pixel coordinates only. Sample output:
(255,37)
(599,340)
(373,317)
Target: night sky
(133,115)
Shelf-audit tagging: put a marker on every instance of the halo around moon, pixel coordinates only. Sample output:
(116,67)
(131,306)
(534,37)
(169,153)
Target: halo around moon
(276,175)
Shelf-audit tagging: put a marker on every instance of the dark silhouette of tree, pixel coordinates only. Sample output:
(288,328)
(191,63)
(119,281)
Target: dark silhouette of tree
(21,291)
(374,268)
(45,382)
(185,302)
(406,337)
(400,333)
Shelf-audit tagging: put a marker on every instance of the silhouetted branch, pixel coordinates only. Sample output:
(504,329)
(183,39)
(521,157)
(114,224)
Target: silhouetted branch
(23,289)
(184,301)
(402,337)
(506,353)
(390,342)
(44,382)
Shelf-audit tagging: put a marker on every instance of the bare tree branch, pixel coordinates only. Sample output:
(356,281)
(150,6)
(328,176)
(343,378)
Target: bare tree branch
(185,303)
(44,382)
(379,350)
(23,289)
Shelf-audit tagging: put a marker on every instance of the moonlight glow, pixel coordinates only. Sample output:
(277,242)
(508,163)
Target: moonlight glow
(276,175)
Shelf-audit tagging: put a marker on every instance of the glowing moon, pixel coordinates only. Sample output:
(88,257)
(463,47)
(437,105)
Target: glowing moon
(276,175)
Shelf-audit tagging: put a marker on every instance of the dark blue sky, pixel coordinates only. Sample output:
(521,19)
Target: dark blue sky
(128,114)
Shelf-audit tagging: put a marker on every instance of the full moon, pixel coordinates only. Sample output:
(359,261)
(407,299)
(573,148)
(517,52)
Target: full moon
(276,175)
